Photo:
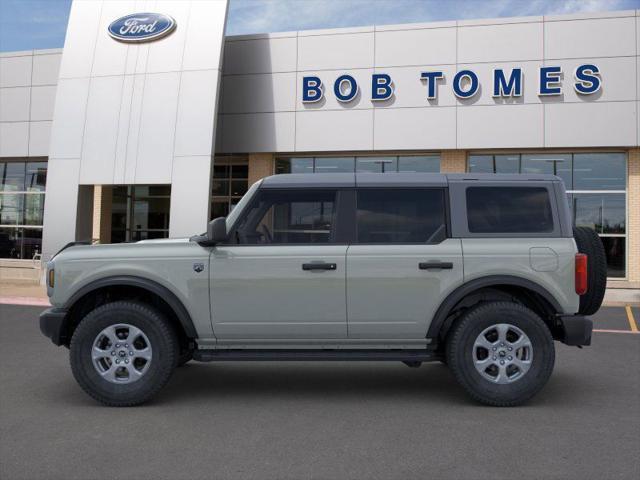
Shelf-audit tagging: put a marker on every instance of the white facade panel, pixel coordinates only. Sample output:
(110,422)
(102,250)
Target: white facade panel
(190,179)
(166,56)
(39,137)
(196,113)
(260,56)
(591,124)
(157,128)
(259,132)
(101,130)
(500,126)
(14,139)
(15,71)
(332,52)
(46,69)
(80,41)
(43,100)
(434,46)
(415,128)
(71,102)
(132,135)
(334,130)
(14,104)
(608,37)
(329,100)
(61,201)
(500,43)
(110,57)
(259,93)
(204,39)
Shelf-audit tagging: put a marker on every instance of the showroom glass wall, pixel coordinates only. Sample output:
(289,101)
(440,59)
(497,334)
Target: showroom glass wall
(596,188)
(22,192)
(364,163)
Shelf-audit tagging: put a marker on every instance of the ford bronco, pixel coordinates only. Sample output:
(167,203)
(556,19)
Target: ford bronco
(481,272)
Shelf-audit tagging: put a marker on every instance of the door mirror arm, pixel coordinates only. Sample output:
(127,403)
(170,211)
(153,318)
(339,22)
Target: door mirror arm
(216,233)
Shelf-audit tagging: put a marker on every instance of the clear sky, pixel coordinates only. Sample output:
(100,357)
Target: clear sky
(32,24)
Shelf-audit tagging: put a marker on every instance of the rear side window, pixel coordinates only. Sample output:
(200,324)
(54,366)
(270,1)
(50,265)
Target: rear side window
(401,216)
(509,210)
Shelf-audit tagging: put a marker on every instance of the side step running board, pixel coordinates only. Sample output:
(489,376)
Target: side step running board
(314,355)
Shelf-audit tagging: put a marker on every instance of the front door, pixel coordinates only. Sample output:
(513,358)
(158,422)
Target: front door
(282,275)
(402,264)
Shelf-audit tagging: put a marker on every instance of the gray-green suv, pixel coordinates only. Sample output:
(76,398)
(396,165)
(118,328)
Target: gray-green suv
(482,272)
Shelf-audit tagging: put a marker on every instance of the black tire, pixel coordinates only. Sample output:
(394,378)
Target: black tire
(460,348)
(590,244)
(163,342)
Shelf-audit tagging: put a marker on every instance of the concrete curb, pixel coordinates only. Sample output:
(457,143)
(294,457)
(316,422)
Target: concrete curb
(28,301)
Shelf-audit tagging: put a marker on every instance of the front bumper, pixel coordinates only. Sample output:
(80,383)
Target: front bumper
(575,330)
(53,325)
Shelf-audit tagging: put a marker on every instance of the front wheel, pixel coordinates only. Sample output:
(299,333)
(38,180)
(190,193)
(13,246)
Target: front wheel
(123,353)
(502,353)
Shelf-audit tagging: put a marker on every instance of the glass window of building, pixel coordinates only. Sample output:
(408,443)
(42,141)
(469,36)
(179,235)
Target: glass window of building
(230,182)
(596,188)
(22,194)
(363,163)
(140,212)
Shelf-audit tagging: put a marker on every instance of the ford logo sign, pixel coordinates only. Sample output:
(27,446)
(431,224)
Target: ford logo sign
(141,27)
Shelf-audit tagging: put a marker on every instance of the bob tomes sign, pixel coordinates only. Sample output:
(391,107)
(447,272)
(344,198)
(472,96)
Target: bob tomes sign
(141,27)
(465,84)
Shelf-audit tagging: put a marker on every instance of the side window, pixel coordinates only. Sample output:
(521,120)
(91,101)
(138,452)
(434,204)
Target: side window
(388,215)
(288,217)
(509,210)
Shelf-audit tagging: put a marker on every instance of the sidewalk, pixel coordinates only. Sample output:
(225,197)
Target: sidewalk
(23,294)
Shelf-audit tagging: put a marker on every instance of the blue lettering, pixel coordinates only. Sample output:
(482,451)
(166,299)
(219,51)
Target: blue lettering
(381,87)
(550,81)
(587,79)
(311,89)
(350,93)
(431,79)
(473,84)
(507,88)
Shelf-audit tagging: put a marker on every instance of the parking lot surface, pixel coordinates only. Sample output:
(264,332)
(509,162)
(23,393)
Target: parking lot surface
(320,420)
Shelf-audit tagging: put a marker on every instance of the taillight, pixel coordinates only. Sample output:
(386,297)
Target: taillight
(581,273)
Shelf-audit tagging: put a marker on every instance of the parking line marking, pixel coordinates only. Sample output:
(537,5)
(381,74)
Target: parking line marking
(616,331)
(632,321)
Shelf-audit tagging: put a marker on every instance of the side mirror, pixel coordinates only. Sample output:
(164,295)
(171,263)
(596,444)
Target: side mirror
(217,230)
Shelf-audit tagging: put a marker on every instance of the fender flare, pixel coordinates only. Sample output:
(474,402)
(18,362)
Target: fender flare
(465,289)
(151,286)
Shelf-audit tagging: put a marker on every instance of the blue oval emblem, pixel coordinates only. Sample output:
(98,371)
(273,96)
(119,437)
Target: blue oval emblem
(142,27)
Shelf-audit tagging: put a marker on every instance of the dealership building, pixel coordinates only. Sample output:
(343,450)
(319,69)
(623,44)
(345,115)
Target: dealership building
(116,139)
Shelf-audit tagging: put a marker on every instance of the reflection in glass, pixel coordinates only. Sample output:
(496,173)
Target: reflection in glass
(481,164)
(12,209)
(12,177)
(377,164)
(615,248)
(552,163)
(334,164)
(599,171)
(294,165)
(605,213)
(507,163)
(427,163)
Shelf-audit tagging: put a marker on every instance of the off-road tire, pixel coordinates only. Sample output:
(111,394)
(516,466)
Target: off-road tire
(184,357)
(163,342)
(459,353)
(590,244)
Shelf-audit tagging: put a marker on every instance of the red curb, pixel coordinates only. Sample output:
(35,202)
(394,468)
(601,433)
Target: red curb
(29,301)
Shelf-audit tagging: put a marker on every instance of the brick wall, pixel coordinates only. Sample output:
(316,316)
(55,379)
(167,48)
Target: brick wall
(453,161)
(260,166)
(633,226)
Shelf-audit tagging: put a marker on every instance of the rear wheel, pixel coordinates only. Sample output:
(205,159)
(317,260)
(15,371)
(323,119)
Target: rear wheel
(502,353)
(123,353)
(589,243)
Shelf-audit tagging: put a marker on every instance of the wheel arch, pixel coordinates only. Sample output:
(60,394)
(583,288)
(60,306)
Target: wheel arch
(119,287)
(491,288)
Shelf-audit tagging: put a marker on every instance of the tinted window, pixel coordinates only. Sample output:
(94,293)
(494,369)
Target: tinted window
(288,216)
(401,216)
(509,210)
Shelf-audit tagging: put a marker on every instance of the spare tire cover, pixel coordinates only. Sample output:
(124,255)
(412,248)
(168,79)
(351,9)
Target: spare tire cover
(590,244)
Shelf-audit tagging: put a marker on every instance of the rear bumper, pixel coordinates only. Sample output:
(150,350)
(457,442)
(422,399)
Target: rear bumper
(52,324)
(575,330)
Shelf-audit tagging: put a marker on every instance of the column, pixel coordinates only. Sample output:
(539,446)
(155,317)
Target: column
(453,161)
(260,166)
(633,215)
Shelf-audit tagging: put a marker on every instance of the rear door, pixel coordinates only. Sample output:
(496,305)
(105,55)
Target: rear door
(402,263)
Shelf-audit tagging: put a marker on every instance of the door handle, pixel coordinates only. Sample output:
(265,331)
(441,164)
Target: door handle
(435,265)
(319,266)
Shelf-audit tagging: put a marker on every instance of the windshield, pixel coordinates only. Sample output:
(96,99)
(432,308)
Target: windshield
(233,215)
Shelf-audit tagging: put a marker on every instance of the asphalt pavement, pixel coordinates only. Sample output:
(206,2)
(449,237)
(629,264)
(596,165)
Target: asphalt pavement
(320,420)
